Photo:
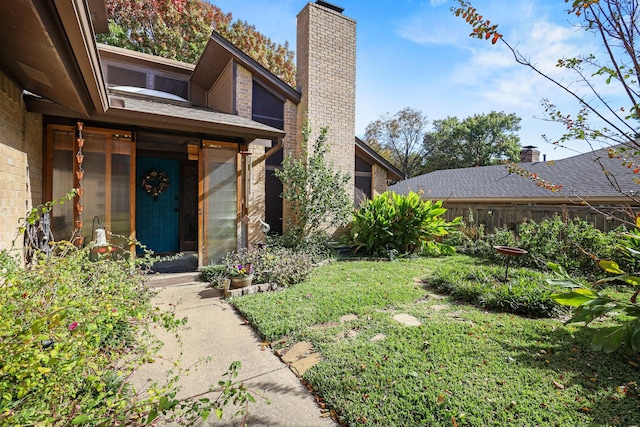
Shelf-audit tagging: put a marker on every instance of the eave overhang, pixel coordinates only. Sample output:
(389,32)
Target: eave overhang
(393,173)
(49,50)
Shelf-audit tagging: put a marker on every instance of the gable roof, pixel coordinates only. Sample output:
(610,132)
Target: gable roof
(581,176)
(392,172)
(219,52)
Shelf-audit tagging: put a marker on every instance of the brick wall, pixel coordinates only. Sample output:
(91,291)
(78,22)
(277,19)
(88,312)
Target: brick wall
(379,178)
(20,160)
(291,145)
(326,77)
(256,206)
(243,92)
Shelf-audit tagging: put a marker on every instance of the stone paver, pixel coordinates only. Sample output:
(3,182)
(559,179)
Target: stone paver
(407,319)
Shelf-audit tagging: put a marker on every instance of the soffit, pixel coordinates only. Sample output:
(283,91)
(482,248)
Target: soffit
(48,49)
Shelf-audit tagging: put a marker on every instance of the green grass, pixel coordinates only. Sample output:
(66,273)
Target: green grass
(463,366)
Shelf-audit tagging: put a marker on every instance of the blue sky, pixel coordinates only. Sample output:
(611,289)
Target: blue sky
(418,54)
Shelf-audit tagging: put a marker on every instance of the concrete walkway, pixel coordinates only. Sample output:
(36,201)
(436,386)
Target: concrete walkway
(215,331)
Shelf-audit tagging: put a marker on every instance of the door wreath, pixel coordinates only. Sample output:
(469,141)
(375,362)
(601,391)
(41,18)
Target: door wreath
(155,183)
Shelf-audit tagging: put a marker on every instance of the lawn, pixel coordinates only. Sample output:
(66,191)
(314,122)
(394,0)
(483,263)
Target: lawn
(463,366)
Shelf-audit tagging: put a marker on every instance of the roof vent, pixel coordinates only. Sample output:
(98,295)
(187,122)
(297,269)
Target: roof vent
(330,6)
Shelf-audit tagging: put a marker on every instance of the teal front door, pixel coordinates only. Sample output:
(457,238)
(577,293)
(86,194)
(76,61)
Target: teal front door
(158,204)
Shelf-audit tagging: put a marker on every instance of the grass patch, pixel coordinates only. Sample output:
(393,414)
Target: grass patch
(332,291)
(463,366)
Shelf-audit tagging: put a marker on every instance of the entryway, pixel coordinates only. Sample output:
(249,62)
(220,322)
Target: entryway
(166,195)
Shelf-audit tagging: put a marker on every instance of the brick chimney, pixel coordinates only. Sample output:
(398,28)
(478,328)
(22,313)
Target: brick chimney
(529,154)
(326,78)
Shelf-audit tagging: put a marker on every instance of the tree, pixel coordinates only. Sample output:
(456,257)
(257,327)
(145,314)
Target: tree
(616,25)
(276,58)
(401,136)
(481,140)
(180,30)
(317,194)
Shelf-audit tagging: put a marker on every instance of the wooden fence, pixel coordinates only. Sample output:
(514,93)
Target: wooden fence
(498,216)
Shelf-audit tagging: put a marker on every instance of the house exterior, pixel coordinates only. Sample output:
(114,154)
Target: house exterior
(493,197)
(179,156)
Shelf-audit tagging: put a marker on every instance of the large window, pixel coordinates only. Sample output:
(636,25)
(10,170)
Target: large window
(363,181)
(106,181)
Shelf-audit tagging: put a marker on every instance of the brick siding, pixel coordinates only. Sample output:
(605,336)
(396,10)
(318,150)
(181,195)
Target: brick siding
(326,77)
(20,160)
(379,177)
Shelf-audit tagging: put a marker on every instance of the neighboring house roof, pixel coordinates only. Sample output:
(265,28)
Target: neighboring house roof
(581,176)
(392,172)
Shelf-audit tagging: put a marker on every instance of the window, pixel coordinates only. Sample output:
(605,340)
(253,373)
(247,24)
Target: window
(363,181)
(106,180)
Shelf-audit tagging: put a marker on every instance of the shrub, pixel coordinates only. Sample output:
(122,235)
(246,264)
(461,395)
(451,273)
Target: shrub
(573,243)
(484,286)
(64,324)
(273,265)
(74,326)
(398,222)
(318,247)
(213,274)
(316,192)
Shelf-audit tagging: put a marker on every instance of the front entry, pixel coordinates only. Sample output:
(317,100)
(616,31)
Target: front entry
(158,204)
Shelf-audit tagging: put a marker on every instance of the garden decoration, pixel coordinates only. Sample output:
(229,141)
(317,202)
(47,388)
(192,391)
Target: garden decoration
(240,275)
(508,252)
(155,182)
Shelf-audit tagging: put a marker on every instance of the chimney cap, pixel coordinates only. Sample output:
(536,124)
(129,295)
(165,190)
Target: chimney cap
(529,147)
(330,6)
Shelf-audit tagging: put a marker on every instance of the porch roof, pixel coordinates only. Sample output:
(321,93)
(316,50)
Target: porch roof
(175,117)
(151,113)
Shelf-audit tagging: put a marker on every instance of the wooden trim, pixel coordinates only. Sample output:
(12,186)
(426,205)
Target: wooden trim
(208,143)
(201,248)
(132,194)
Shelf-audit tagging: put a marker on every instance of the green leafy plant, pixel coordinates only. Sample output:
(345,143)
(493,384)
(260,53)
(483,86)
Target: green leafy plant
(403,223)
(574,243)
(281,266)
(318,247)
(73,330)
(317,194)
(213,274)
(591,303)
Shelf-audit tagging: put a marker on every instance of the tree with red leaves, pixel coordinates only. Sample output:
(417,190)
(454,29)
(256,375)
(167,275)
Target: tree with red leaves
(180,30)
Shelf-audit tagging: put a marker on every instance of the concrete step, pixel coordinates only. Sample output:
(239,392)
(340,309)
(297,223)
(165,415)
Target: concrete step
(172,279)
